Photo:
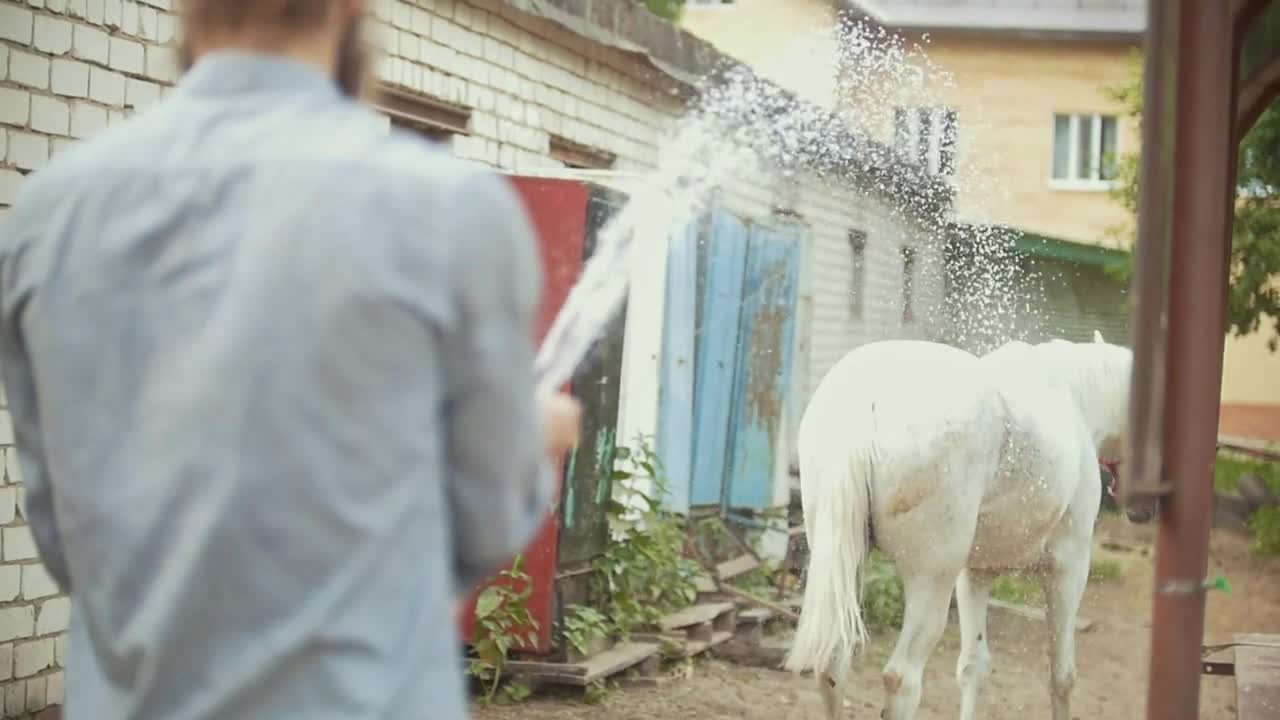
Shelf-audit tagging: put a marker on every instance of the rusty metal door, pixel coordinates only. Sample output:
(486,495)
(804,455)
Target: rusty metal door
(584,522)
(766,340)
(557,209)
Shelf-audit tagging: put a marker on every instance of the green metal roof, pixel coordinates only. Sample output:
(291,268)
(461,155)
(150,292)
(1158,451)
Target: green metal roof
(1043,246)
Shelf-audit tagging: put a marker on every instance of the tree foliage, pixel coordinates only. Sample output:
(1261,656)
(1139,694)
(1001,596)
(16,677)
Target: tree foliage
(667,9)
(1254,297)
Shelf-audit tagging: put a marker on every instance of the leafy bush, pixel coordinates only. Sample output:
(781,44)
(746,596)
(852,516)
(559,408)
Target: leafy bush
(643,574)
(502,615)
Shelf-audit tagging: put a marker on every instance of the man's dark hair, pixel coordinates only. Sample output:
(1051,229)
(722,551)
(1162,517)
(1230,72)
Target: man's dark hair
(233,15)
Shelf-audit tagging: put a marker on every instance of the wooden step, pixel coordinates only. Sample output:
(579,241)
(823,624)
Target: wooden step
(696,629)
(679,646)
(705,585)
(697,647)
(740,565)
(608,663)
(756,616)
(695,615)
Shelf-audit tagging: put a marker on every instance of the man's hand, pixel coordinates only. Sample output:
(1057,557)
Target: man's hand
(561,423)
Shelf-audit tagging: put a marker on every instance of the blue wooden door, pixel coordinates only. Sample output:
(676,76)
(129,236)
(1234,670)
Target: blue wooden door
(766,342)
(723,258)
(675,389)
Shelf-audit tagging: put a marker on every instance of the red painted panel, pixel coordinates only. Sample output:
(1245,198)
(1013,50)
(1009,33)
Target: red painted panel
(558,210)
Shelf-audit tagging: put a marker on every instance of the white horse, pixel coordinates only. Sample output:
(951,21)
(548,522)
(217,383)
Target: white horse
(958,468)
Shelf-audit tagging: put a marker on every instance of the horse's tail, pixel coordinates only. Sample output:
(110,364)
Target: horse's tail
(835,485)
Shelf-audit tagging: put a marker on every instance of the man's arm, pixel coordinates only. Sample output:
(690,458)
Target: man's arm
(19,385)
(500,484)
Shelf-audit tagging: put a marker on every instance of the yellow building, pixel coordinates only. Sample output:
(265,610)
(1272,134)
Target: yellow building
(784,40)
(1028,108)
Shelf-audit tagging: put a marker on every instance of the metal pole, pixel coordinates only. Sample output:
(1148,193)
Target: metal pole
(1198,274)
(1144,464)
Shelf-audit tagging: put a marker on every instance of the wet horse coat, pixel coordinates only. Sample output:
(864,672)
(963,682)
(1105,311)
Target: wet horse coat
(959,468)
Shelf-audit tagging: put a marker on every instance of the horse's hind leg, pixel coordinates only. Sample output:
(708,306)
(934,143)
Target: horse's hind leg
(973,590)
(1064,586)
(831,686)
(927,603)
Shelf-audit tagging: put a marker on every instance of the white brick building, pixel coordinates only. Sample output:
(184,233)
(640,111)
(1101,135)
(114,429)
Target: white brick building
(504,82)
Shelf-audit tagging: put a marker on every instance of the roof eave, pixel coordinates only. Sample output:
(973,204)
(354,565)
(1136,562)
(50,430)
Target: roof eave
(867,11)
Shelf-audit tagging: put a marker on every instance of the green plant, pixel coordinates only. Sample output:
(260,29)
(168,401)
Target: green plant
(582,624)
(1264,526)
(643,574)
(502,619)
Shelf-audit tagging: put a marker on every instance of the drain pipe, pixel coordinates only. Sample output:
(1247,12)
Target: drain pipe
(1200,236)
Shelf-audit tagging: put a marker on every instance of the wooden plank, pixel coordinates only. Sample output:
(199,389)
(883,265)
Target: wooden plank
(756,616)
(1247,446)
(1082,624)
(696,615)
(606,664)
(697,647)
(1257,676)
(738,566)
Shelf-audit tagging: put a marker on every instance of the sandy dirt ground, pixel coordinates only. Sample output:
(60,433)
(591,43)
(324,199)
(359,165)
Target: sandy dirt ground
(1111,657)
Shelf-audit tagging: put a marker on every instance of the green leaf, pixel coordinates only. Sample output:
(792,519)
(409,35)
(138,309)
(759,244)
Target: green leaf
(487,603)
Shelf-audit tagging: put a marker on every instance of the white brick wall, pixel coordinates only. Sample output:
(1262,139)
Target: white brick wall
(70,68)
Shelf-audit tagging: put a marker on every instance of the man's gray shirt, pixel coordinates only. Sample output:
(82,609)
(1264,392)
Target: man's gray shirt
(270,372)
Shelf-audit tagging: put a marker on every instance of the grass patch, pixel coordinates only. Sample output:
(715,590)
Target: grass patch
(883,600)
(1264,527)
(1230,467)
(1019,589)
(1104,569)
(1025,588)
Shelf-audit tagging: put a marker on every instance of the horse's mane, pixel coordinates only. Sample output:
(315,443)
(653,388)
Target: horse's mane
(1096,374)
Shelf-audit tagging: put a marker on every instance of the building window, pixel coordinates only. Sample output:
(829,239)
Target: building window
(427,116)
(580,157)
(908,284)
(1084,150)
(927,137)
(858,273)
